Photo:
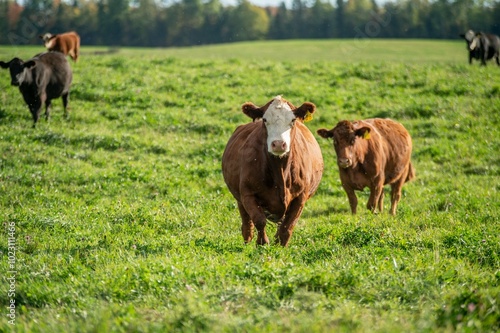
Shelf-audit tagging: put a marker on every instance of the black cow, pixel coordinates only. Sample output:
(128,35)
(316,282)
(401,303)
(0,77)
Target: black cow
(482,46)
(41,79)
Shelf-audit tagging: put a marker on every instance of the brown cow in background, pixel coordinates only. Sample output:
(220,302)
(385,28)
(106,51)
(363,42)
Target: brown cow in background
(372,153)
(272,166)
(67,43)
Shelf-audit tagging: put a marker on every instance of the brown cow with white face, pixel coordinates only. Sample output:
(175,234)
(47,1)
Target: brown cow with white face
(66,43)
(272,166)
(372,153)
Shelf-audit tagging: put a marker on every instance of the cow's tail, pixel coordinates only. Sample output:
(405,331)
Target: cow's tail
(411,173)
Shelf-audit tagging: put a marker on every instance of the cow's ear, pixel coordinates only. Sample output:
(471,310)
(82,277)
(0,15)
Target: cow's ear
(252,110)
(29,64)
(363,132)
(4,64)
(324,133)
(305,111)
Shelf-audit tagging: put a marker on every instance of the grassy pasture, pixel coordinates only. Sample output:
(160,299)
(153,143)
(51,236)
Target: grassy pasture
(124,224)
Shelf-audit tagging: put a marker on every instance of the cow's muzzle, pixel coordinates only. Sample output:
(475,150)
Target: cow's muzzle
(278,147)
(344,162)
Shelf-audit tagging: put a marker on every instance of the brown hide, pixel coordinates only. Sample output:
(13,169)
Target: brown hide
(67,43)
(372,153)
(267,186)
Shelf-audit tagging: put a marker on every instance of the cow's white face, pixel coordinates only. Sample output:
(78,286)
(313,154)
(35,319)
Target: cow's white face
(476,42)
(279,120)
(50,43)
(48,40)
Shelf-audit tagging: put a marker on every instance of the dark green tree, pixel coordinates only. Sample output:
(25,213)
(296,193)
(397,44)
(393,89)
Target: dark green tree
(339,19)
(142,23)
(319,20)
(34,20)
(298,19)
(112,18)
(280,23)
(247,22)
(211,31)
(4,21)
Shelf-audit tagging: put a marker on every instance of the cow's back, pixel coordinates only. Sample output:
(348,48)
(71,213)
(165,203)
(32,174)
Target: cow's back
(71,40)
(242,148)
(394,146)
(57,73)
(310,158)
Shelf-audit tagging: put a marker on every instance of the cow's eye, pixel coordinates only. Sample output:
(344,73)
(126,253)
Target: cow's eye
(293,121)
(264,120)
(335,142)
(353,140)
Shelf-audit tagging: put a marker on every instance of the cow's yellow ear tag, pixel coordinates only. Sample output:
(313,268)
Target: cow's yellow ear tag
(366,136)
(308,117)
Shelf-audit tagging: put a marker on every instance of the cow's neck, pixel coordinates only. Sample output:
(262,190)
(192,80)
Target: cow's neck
(280,173)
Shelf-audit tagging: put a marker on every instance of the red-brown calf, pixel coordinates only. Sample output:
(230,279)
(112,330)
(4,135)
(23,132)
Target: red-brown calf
(372,153)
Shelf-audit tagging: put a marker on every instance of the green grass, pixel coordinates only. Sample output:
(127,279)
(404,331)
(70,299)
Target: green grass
(343,50)
(123,222)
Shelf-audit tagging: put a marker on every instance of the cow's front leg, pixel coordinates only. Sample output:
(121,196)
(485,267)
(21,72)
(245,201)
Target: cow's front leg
(353,200)
(258,217)
(35,109)
(484,57)
(285,229)
(246,224)
(65,98)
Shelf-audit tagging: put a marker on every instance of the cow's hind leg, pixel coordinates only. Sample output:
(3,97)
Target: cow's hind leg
(73,55)
(48,104)
(376,191)
(65,98)
(380,204)
(246,224)
(396,194)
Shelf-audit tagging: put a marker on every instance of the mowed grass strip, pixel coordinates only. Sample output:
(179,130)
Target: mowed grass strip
(123,221)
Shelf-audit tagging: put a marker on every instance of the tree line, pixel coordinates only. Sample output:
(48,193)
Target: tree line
(164,23)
